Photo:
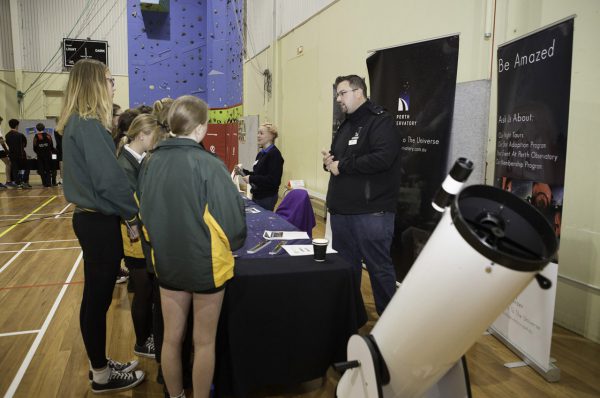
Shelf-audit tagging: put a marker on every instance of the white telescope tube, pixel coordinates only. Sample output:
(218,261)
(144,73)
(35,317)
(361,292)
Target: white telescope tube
(485,250)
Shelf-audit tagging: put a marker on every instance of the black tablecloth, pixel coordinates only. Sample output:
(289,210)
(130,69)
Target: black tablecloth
(284,320)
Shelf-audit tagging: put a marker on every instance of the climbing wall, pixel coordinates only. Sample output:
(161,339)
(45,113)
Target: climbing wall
(194,48)
(224,48)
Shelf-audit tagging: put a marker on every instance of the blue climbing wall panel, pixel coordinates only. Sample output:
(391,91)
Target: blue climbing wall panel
(195,48)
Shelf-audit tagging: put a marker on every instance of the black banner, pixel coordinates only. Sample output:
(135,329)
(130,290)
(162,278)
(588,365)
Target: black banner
(416,84)
(534,83)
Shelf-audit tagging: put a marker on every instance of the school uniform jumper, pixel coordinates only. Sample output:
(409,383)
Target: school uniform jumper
(143,295)
(98,186)
(192,215)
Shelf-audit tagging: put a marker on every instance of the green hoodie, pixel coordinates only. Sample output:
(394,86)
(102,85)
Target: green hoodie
(192,216)
(93,180)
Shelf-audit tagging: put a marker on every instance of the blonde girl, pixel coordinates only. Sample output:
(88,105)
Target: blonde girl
(98,187)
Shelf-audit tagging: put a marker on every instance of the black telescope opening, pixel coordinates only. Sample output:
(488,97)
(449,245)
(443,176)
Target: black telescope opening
(504,228)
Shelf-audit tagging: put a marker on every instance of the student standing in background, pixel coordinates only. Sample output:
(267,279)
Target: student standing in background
(17,143)
(4,157)
(44,148)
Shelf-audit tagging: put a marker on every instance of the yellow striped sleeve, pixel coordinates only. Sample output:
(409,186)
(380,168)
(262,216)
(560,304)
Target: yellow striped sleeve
(221,256)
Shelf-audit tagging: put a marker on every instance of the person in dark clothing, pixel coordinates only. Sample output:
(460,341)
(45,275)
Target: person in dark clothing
(125,120)
(265,176)
(5,160)
(116,113)
(191,240)
(57,163)
(98,187)
(44,148)
(145,109)
(17,142)
(364,162)
(141,137)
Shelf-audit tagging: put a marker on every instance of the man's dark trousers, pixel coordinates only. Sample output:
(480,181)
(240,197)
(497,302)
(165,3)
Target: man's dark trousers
(368,237)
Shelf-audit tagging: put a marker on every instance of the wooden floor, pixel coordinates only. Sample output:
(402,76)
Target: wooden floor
(42,354)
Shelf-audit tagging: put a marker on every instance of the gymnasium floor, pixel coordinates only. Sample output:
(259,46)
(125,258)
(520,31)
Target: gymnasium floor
(42,354)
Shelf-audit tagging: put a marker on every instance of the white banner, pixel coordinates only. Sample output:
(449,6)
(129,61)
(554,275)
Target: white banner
(527,322)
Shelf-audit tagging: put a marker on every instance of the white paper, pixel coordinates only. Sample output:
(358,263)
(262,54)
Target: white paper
(303,250)
(285,235)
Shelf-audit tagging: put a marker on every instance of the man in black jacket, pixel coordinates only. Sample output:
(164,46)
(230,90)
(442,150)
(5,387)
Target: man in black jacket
(44,148)
(364,162)
(17,142)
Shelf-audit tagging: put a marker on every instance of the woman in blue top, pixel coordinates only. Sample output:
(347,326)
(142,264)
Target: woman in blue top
(265,176)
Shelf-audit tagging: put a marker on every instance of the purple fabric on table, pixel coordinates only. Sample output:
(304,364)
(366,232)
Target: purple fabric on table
(296,208)
(258,220)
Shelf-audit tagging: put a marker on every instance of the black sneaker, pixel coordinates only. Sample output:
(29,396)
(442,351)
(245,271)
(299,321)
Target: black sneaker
(123,275)
(147,350)
(118,366)
(119,381)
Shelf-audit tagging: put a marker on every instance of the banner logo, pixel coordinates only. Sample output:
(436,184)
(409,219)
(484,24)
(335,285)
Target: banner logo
(404,103)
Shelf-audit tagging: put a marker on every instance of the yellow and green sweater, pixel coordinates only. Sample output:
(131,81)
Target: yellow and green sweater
(192,216)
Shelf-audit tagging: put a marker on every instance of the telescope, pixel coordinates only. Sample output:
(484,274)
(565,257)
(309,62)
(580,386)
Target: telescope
(487,247)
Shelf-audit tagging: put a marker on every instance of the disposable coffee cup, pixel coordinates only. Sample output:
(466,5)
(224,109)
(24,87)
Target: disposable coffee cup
(320,248)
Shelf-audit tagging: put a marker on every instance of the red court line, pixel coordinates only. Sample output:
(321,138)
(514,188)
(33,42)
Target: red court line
(41,285)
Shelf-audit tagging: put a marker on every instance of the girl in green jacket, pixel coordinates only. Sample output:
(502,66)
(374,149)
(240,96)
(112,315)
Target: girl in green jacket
(200,222)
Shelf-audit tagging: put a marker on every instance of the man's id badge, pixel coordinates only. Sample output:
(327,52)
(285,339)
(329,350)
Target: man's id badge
(354,139)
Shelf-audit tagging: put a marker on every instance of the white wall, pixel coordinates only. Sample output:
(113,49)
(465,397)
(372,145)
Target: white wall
(46,23)
(43,25)
(6,50)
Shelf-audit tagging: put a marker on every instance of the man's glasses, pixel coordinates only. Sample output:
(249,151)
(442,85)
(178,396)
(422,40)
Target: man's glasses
(341,93)
(111,80)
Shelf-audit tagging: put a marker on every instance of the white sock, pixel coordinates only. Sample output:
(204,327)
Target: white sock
(101,375)
(182,395)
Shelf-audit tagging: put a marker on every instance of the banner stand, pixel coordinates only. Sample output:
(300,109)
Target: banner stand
(551,373)
(416,84)
(534,82)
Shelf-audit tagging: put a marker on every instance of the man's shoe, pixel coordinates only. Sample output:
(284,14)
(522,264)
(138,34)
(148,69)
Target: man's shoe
(11,184)
(26,185)
(2,186)
(118,366)
(119,381)
(123,275)
(147,350)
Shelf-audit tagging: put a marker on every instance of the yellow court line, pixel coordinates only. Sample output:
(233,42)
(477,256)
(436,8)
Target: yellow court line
(27,216)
